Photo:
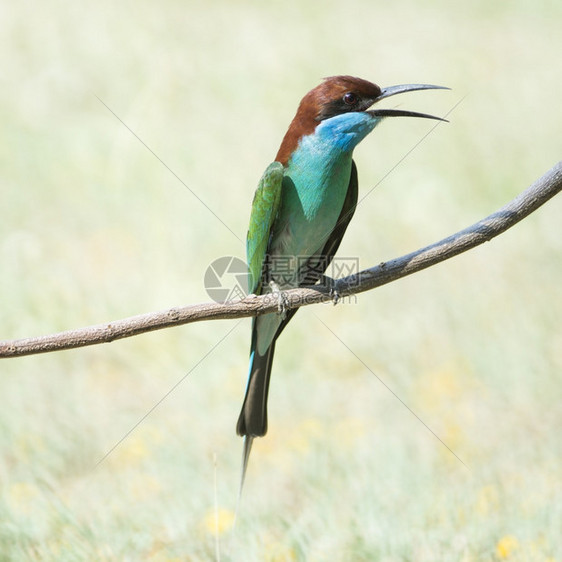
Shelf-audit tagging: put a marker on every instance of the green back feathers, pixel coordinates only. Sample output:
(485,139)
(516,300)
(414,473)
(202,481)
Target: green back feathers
(264,210)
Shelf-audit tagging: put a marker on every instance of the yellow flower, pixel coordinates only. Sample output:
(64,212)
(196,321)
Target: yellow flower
(219,521)
(131,452)
(278,552)
(144,486)
(348,430)
(488,500)
(301,438)
(22,495)
(29,445)
(506,546)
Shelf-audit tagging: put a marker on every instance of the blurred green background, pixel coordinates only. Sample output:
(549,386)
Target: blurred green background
(94,228)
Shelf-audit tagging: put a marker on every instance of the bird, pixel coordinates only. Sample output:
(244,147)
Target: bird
(300,212)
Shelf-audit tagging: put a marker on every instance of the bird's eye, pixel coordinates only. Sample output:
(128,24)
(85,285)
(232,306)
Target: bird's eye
(350,98)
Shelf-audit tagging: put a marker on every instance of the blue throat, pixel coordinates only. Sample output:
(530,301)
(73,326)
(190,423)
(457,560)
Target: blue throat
(315,184)
(344,132)
(316,181)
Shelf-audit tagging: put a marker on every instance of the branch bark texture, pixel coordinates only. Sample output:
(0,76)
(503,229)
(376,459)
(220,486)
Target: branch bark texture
(484,230)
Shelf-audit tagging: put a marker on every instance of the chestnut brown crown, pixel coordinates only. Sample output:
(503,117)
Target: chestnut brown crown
(333,96)
(337,95)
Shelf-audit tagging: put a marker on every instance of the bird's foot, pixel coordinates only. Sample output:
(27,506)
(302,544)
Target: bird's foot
(331,285)
(282,300)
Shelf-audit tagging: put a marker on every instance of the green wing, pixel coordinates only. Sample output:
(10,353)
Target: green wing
(264,210)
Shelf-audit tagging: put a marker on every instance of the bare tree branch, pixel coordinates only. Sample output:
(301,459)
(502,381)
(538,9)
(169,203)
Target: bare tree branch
(531,199)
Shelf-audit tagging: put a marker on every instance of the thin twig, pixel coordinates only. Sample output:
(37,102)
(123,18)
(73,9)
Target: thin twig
(531,199)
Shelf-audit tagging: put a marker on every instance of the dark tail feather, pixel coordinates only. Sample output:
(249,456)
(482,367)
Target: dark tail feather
(252,421)
(253,416)
(245,457)
(248,440)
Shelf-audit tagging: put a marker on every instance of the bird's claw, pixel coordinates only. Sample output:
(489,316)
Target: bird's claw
(331,284)
(282,300)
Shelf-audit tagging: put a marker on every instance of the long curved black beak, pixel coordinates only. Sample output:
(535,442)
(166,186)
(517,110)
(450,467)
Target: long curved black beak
(393,90)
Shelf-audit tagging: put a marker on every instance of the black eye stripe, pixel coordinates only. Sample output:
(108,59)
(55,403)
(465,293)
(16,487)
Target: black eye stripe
(344,103)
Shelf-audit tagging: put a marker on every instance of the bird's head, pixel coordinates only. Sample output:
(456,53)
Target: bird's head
(341,96)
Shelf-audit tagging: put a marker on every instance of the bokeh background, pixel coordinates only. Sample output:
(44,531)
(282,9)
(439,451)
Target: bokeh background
(94,228)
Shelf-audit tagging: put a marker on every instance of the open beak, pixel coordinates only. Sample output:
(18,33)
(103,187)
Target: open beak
(393,90)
